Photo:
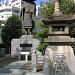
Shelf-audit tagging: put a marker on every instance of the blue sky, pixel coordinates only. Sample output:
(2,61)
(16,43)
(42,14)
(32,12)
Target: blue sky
(38,1)
(2,1)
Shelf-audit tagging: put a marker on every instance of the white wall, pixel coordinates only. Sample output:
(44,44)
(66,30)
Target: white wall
(6,11)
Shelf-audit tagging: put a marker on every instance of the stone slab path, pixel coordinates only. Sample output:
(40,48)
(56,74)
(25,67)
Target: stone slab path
(13,69)
(38,73)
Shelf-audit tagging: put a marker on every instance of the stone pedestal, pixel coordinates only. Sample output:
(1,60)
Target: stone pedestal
(17,50)
(59,60)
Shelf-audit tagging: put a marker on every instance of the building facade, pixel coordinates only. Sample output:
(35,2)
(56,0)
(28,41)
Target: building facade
(16,3)
(38,12)
(9,8)
(7,11)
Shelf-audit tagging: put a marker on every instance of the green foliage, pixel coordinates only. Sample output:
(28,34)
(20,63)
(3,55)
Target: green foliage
(40,23)
(42,33)
(47,8)
(42,47)
(12,29)
(72,34)
(67,7)
(72,30)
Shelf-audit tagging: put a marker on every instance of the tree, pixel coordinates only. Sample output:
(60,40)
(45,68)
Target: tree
(43,33)
(47,9)
(12,29)
(66,6)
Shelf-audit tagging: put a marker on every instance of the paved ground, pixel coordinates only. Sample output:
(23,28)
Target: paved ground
(37,73)
(18,68)
(5,61)
(14,68)
(1,57)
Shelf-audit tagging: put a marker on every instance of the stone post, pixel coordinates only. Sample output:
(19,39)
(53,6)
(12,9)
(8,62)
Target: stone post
(34,61)
(19,57)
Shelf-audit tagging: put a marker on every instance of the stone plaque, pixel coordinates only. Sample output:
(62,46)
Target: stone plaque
(25,45)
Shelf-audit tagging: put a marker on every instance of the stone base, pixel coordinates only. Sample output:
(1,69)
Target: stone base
(17,50)
(59,60)
(59,39)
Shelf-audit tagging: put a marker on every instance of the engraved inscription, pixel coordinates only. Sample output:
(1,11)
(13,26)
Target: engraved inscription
(59,64)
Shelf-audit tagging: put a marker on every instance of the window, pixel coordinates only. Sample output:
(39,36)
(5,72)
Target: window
(2,16)
(16,11)
(9,4)
(2,10)
(14,0)
(7,10)
(17,3)
(58,28)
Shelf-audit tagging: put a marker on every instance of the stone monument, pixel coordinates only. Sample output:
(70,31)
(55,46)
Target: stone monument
(59,56)
(26,45)
(28,16)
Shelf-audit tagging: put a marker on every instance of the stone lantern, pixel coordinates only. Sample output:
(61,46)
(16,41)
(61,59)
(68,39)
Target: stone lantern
(59,56)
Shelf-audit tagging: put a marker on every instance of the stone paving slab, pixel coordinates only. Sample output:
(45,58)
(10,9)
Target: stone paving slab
(12,72)
(15,65)
(6,74)
(35,73)
(13,69)
(6,61)
(2,70)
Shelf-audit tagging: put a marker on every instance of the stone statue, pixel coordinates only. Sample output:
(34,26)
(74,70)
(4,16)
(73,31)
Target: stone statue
(28,16)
